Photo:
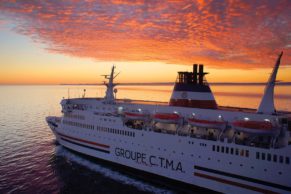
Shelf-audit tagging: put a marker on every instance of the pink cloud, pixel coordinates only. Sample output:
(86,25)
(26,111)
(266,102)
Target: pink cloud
(236,34)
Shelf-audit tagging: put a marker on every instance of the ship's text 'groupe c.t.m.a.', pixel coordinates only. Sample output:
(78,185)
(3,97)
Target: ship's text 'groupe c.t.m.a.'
(190,140)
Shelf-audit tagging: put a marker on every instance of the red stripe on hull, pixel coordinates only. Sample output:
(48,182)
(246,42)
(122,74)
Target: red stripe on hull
(85,141)
(234,183)
(206,104)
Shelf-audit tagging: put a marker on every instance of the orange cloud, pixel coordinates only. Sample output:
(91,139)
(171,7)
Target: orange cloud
(234,34)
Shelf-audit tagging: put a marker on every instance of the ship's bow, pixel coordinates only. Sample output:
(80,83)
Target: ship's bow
(53,122)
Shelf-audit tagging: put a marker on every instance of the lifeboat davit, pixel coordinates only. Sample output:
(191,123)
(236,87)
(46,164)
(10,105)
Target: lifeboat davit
(166,117)
(135,115)
(214,124)
(256,127)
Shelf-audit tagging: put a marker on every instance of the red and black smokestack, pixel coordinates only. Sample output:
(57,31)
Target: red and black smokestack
(192,90)
(201,74)
(195,72)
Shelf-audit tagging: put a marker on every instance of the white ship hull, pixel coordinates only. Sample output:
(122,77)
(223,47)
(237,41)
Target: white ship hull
(182,158)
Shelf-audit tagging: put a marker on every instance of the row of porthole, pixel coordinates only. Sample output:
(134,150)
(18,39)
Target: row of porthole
(241,165)
(272,157)
(115,131)
(74,116)
(89,134)
(230,150)
(77,124)
(110,120)
(111,130)
(201,144)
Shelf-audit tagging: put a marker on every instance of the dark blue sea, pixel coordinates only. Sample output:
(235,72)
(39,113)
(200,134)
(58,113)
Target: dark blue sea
(32,162)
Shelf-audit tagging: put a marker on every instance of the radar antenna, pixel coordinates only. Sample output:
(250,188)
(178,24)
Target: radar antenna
(109,95)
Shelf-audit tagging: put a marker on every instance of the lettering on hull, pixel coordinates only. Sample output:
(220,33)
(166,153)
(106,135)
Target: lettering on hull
(149,160)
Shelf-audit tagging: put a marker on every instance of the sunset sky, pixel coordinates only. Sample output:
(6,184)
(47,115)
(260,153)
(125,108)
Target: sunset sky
(71,41)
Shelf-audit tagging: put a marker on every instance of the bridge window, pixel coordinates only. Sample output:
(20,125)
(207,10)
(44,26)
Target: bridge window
(287,160)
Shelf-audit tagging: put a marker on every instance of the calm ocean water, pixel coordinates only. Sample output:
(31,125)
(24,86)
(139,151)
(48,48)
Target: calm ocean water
(32,162)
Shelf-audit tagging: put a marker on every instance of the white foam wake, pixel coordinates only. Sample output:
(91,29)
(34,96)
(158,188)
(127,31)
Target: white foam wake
(61,151)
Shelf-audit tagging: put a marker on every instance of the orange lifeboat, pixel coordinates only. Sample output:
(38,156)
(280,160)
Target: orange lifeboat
(257,127)
(214,124)
(138,115)
(166,117)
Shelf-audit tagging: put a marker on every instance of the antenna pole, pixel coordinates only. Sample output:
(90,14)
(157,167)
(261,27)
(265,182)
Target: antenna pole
(109,96)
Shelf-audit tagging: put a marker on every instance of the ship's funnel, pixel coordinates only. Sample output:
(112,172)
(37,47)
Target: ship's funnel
(267,103)
(192,90)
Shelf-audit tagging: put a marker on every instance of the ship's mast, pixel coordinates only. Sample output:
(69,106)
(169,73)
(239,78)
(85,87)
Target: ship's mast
(267,103)
(109,96)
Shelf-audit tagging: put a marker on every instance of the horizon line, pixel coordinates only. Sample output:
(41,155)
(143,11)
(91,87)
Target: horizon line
(144,83)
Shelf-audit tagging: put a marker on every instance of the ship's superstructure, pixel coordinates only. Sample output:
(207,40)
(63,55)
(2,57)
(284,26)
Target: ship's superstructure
(190,140)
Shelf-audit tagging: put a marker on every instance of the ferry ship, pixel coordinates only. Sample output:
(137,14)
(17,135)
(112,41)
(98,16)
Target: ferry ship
(190,140)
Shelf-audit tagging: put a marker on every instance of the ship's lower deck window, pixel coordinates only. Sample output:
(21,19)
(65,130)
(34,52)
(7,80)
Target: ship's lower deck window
(270,157)
(263,156)
(247,153)
(115,131)
(281,159)
(258,155)
(77,124)
(74,116)
(227,150)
